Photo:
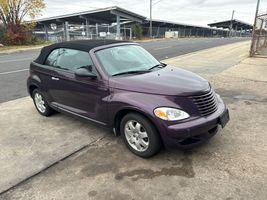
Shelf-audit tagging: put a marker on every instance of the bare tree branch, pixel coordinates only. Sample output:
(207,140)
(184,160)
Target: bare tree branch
(14,11)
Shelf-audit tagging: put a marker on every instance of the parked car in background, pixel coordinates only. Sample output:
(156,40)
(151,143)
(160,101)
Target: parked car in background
(120,85)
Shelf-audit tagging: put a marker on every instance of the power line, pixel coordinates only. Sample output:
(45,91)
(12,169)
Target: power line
(156,2)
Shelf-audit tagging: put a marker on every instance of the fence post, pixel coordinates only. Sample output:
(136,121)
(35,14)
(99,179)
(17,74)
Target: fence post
(96,30)
(131,34)
(118,28)
(258,46)
(158,31)
(124,32)
(87,28)
(46,32)
(66,31)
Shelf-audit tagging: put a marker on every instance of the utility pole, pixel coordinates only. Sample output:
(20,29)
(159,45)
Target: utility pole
(231,24)
(254,29)
(150,25)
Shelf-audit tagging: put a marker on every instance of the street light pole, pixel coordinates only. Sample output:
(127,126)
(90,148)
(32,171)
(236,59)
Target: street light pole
(150,25)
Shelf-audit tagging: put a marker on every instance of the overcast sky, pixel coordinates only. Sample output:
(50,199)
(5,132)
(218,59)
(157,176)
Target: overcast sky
(198,12)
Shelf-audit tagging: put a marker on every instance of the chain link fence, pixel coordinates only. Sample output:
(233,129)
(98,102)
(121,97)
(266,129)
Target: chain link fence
(159,32)
(70,31)
(259,37)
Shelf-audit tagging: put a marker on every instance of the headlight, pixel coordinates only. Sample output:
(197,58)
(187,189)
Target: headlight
(170,114)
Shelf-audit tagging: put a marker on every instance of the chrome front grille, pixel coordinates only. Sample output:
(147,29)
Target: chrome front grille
(206,103)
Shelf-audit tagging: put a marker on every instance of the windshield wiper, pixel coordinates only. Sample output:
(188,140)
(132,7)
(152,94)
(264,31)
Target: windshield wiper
(132,72)
(88,67)
(161,65)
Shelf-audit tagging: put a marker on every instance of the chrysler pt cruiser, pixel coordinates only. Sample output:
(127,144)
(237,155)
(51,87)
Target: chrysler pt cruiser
(118,84)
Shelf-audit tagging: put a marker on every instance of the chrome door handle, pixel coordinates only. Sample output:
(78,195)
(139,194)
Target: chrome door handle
(55,78)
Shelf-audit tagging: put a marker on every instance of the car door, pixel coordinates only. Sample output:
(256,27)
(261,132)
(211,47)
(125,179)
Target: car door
(82,96)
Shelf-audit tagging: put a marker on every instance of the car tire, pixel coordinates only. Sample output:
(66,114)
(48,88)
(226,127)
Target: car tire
(140,135)
(41,104)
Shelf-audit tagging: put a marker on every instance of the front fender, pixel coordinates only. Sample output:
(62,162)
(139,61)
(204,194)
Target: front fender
(140,102)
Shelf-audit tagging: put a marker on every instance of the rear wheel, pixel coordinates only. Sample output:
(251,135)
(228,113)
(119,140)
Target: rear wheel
(40,103)
(139,135)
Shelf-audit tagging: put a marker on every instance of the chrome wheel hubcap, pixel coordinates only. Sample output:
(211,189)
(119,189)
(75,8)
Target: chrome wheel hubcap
(136,135)
(39,102)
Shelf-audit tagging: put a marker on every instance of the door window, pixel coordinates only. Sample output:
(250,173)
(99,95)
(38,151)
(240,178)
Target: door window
(69,59)
(52,58)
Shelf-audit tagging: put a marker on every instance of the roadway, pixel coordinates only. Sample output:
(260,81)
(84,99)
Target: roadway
(14,66)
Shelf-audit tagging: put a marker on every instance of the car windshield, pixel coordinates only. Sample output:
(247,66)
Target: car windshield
(126,59)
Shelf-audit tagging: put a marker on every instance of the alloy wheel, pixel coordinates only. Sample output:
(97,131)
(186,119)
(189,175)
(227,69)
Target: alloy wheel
(39,102)
(136,135)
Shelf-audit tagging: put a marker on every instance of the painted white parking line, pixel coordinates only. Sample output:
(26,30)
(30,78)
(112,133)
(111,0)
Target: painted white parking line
(7,61)
(15,71)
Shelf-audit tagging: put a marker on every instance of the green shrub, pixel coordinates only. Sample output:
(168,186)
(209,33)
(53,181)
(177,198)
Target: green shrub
(138,31)
(36,40)
(17,35)
(2,33)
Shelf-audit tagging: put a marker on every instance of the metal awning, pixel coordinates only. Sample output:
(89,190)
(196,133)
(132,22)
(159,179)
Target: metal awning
(165,23)
(103,15)
(236,24)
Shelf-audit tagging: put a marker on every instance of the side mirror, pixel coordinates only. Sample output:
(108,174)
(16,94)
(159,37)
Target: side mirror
(83,72)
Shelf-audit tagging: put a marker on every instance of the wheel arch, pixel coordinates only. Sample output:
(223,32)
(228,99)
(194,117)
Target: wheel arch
(32,87)
(121,113)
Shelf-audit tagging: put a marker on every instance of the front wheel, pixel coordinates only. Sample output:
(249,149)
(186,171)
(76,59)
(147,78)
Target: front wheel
(140,135)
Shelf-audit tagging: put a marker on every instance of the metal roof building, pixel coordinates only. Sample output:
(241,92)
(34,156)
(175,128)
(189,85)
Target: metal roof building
(116,23)
(236,24)
(103,15)
(87,19)
(185,30)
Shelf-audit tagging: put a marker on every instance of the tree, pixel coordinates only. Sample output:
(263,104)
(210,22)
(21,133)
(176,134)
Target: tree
(138,31)
(12,12)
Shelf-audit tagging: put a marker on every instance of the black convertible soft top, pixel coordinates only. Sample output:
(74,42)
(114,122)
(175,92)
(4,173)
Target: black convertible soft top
(83,45)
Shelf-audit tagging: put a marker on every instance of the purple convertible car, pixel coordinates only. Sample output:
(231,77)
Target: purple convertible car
(120,85)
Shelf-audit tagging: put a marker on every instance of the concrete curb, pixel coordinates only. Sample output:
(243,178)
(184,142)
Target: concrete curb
(4,52)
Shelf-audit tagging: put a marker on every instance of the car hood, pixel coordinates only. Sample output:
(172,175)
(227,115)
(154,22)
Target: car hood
(166,81)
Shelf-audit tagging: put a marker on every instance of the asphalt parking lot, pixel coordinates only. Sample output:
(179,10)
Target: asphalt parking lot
(64,158)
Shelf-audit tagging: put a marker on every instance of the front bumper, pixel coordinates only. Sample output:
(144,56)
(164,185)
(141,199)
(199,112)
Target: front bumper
(193,132)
